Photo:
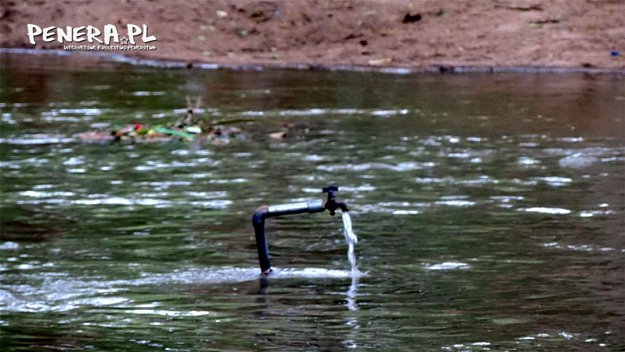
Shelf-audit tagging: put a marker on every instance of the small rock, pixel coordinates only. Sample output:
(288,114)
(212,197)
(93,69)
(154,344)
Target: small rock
(380,62)
(410,18)
(221,14)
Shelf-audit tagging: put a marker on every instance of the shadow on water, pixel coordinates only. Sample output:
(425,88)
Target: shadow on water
(489,211)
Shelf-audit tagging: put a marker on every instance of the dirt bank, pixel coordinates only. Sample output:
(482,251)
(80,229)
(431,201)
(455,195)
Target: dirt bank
(402,33)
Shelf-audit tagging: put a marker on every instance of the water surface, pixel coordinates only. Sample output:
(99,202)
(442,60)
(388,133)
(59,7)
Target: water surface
(489,211)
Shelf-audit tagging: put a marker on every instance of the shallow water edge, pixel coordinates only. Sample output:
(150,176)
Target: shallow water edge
(442,69)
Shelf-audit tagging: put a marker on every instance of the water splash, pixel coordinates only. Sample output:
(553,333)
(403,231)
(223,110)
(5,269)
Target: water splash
(60,292)
(351,239)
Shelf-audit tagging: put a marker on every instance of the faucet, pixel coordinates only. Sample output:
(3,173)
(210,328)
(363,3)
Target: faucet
(309,206)
(331,204)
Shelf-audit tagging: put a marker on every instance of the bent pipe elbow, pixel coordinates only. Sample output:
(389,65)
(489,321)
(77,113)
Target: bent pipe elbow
(264,212)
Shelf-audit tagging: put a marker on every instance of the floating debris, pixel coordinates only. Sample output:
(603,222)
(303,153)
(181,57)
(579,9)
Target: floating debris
(189,127)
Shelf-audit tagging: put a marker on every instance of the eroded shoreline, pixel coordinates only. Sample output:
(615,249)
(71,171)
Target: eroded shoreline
(434,69)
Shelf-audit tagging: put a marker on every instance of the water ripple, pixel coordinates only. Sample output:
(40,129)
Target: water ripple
(401,167)
(448,266)
(50,198)
(546,210)
(67,294)
(37,139)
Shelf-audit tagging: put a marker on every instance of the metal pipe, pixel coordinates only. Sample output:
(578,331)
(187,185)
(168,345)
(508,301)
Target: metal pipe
(264,212)
(309,206)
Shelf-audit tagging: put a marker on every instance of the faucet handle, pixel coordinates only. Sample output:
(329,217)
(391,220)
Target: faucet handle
(330,189)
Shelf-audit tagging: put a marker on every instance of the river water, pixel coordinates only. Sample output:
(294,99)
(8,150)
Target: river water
(489,211)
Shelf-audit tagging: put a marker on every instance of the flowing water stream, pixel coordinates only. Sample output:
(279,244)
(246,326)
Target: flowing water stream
(489,209)
(351,239)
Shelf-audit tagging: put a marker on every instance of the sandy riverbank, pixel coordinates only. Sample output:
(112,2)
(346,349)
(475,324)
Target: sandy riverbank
(569,34)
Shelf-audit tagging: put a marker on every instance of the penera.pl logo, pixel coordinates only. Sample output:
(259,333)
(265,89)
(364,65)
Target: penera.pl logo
(93,39)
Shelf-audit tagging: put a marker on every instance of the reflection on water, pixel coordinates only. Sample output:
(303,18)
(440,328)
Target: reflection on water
(489,210)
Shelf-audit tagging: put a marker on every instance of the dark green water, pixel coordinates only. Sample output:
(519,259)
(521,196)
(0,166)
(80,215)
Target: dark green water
(489,208)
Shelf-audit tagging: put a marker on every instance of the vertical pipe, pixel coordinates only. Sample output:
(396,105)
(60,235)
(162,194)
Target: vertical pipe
(258,220)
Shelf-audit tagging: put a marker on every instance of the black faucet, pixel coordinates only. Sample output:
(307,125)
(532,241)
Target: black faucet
(331,204)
